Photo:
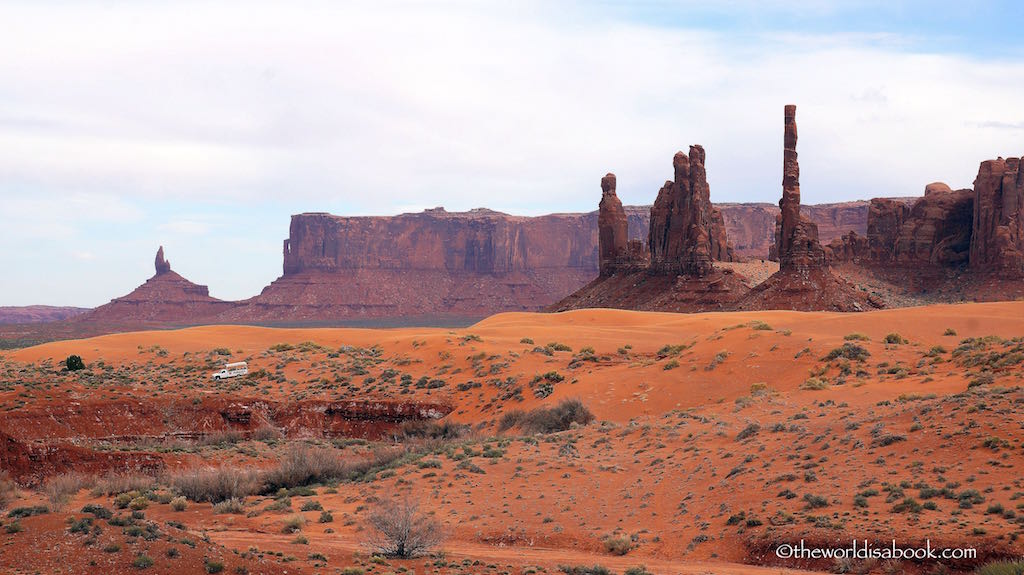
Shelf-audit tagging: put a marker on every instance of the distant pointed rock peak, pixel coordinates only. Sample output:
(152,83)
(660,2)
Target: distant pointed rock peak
(162,266)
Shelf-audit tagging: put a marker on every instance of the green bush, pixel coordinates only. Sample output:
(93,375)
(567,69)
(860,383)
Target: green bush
(142,562)
(895,338)
(849,351)
(74,363)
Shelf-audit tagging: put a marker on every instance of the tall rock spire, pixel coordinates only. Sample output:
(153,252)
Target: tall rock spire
(162,266)
(796,237)
(612,228)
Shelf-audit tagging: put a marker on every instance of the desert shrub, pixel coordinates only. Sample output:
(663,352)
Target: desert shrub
(234,506)
(1002,568)
(815,501)
(431,429)
(74,363)
(849,351)
(138,504)
(303,465)
(213,566)
(216,485)
(97,511)
(325,517)
(117,483)
(895,338)
(814,384)
(400,529)
(526,340)
(982,379)
(293,524)
(312,505)
(552,376)
(19,512)
(856,337)
(618,545)
(949,331)
(142,562)
(548,419)
(669,350)
(638,570)
(179,504)
(584,570)
(748,431)
(8,490)
(888,439)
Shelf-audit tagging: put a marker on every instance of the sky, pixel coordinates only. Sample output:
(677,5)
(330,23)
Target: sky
(203,126)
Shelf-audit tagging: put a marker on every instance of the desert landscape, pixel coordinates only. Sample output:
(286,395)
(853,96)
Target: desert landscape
(689,443)
(399,339)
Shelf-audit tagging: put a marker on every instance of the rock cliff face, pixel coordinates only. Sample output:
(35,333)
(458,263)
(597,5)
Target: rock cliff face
(751,227)
(428,265)
(166,298)
(929,235)
(997,239)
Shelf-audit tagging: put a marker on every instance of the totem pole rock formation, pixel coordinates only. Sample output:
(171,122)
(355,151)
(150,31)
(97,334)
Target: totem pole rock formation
(804,281)
(796,239)
(612,228)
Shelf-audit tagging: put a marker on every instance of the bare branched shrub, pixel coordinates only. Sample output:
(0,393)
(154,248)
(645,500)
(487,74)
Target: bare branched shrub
(61,488)
(548,419)
(118,483)
(216,485)
(399,529)
(8,490)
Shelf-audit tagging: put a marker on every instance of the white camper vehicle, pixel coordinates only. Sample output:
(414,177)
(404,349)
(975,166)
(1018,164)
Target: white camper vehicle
(232,370)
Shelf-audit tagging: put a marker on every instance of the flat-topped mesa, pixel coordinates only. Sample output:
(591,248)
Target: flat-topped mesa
(612,229)
(796,237)
(680,237)
(162,266)
(997,237)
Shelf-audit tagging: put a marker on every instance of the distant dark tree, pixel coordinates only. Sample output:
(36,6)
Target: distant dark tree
(74,363)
